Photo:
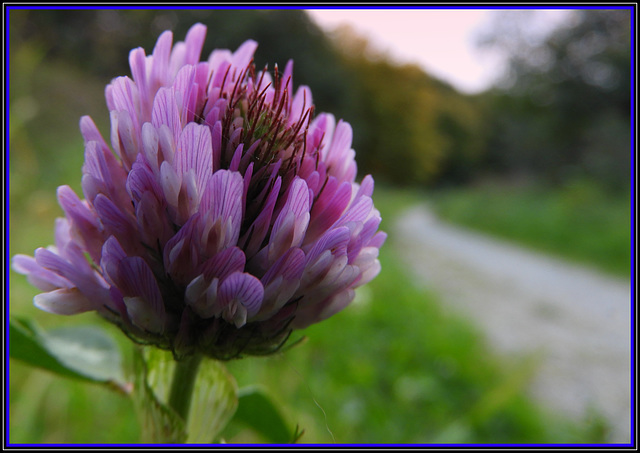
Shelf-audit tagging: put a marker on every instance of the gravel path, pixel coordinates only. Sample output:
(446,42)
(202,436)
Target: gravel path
(576,319)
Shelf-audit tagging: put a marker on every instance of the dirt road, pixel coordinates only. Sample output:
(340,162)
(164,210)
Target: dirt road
(576,319)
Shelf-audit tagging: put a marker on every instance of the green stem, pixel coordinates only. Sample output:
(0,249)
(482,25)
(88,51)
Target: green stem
(184,379)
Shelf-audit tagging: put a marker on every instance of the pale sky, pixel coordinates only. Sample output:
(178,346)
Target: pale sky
(442,42)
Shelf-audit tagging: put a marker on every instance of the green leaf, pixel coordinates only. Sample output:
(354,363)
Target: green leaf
(160,424)
(85,353)
(258,412)
(214,400)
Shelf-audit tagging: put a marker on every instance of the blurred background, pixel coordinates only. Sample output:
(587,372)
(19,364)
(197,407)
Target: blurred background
(532,147)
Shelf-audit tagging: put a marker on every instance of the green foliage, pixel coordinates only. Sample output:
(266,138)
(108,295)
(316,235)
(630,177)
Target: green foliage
(564,111)
(579,221)
(85,353)
(409,128)
(158,422)
(213,403)
(257,411)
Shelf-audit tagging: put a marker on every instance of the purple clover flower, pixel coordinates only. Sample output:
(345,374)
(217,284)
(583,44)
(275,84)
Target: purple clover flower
(222,217)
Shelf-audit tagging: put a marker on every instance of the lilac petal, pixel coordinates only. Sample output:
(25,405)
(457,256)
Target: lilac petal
(202,297)
(84,222)
(223,195)
(216,145)
(180,255)
(281,282)
(379,239)
(194,153)
(165,112)
(222,206)
(243,56)
(150,146)
(219,62)
(117,223)
(171,183)
(328,208)
(160,61)
(258,230)
(234,165)
(241,289)
(90,132)
(138,63)
(368,264)
(287,79)
(176,61)
(339,156)
(186,93)
(321,133)
(65,301)
(124,136)
(38,276)
(139,284)
(335,241)
(290,266)
(75,255)
(152,221)
(291,224)
(188,198)
(112,256)
(62,232)
(366,188)
(370,227)
(141,180)
(166,144)
(75,209)
(77,272)
(357,212)
(53,262)
(201,80)
(125,97)
(143,315)
(103,174)
(224,264)
(313,177)
(194,42)
(195,289)
(336,304)
(342,139)
(301,103)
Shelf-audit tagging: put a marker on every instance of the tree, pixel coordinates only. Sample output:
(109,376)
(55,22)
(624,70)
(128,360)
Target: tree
(564,109)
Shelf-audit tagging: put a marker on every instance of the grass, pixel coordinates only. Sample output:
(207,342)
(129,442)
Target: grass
(578,222)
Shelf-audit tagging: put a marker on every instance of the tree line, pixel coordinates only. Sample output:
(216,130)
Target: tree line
(562,112)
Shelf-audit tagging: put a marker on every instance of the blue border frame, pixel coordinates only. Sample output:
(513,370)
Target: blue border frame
(6,12)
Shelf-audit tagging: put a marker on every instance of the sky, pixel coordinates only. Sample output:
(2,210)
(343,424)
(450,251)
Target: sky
(442,42)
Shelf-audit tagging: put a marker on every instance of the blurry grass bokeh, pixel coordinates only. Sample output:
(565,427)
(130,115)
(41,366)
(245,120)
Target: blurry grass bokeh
(578,222)
(391,368)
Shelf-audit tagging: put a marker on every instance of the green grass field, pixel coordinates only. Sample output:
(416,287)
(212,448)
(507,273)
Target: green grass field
(579,222)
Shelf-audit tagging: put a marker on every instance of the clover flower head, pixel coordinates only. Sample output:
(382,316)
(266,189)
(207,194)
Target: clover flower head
(223,215)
